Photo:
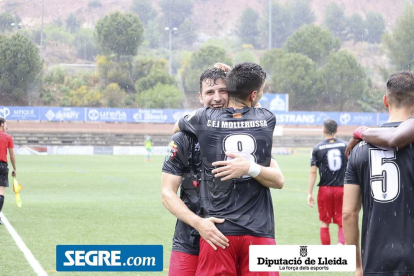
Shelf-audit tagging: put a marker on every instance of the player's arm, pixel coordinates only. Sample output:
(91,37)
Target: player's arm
(350,218)
(189,123)
(271,176)
(311,184)
(206,227)
(12,156)
(396,138)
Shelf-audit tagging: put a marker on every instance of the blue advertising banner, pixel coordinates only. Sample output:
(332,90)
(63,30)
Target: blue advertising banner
(157,115)
(106,115)
(275,102)
(382,118)
(109,258)
(19,113)
(62,114)
(317,118)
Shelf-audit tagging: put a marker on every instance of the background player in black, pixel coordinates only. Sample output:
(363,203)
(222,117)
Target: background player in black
(182,169)
(245,204)
(329,157)
(383,180)
(180,161)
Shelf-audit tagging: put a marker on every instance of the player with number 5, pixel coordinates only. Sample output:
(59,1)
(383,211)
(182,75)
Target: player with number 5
(329,157)
(382,181)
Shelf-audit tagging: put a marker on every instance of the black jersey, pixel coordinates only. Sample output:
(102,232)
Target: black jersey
(244,203)
(386,178)
(329,157)
(183,159)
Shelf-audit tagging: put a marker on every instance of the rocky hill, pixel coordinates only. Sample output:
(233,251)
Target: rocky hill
(215,18)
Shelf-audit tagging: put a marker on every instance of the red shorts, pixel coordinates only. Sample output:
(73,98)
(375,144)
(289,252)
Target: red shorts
(234,260)
(330,200)
(182,264)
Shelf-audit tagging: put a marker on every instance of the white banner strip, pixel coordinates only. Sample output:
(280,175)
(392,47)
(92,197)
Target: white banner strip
(302,258)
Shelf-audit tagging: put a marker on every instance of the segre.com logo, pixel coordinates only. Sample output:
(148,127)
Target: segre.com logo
(109,258)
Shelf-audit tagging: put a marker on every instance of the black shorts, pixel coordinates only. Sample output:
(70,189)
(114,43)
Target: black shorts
(4,174)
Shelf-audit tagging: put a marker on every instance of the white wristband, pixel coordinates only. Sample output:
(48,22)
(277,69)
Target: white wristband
(254,169)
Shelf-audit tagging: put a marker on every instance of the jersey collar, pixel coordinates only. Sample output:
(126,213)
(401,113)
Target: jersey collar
(231,110)
(391,124)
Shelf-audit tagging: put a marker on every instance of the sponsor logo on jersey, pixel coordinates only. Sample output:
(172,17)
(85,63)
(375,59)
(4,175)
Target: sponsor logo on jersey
(237,115)
(172,151)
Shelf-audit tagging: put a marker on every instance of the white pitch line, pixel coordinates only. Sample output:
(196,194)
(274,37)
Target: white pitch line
(22,246)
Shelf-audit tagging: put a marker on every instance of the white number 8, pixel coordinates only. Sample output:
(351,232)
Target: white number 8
(241,144)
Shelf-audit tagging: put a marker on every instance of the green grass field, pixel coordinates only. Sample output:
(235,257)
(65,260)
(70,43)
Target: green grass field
(117,200)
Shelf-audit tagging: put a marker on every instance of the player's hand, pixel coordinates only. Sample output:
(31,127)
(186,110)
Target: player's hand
(311,201)
(234,168)
(209,232)
(14,173)
(222,66)
(358,272)
(351,144)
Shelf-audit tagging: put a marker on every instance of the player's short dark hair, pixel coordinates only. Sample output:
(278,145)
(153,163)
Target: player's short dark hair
(330,126)
(2,120)
(245,78)
(212,74)
(400,89)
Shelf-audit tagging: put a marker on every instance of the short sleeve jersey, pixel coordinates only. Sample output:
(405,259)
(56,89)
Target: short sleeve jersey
(386,179)
(245,204)
(183,159)
(148,144)
(329,157)
(6,142)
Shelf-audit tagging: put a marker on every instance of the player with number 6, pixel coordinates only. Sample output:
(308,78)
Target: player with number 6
(329,157)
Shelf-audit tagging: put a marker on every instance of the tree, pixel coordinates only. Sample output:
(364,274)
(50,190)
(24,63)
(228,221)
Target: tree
(204,58)
(113,96)
(302,13)
(357,29)
(399,43)
(281,25)
(145,10)
(160,96)
(340,83)
(375,27)
(6,21)
(72,23)
(154,78)
(175,11)
(20,66)
(120,33)
(85,44)
(247,29)
(245,55)
(336,21)
(294,74)
(285,20)
(152,34)
(268,59)
(85,97)
(312,41)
